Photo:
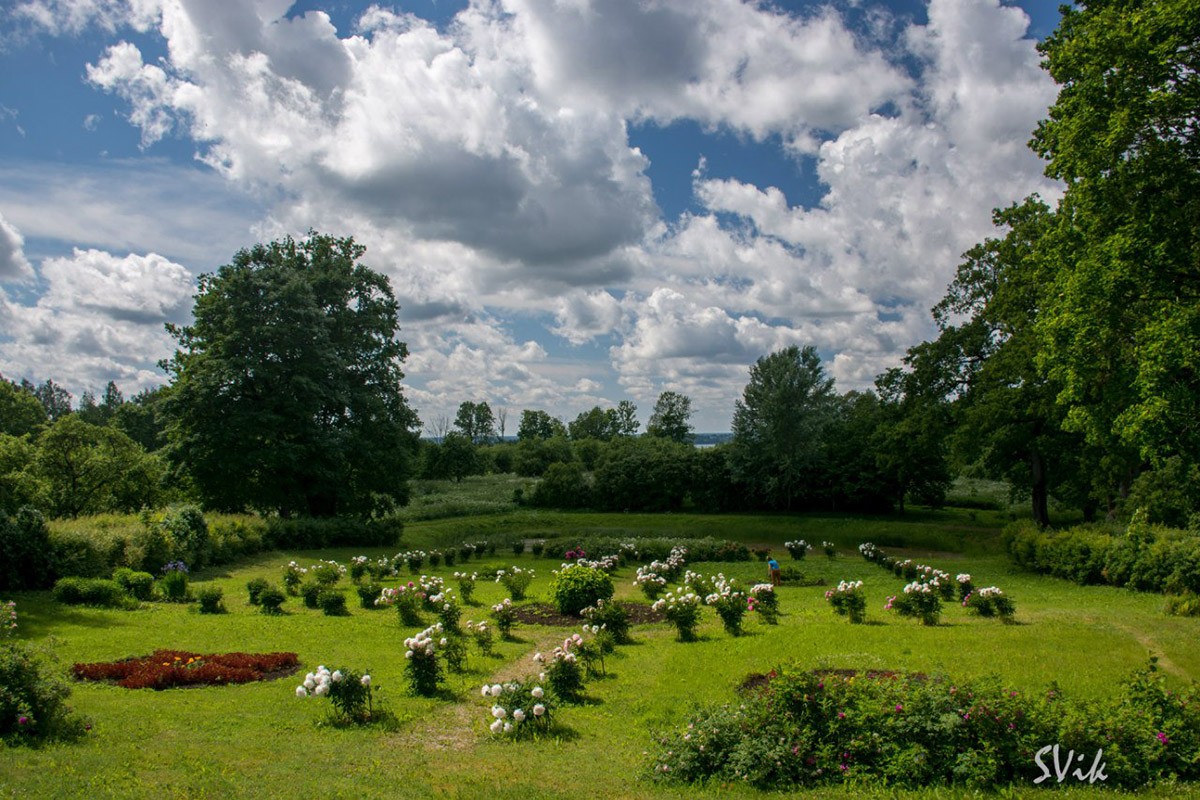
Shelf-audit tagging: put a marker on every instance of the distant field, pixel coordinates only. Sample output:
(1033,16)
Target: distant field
(260,741)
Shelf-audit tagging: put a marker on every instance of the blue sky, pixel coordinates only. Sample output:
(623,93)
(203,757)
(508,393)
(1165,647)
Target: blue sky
(577,201)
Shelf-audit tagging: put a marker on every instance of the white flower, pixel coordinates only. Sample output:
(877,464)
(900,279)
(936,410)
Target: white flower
(408,654)
(486,691)
(508,727)
(321,690)
(538,710)
(537,692)
(366,680)
(498,712)
(337,675)
(309,683)
(519,715)
(496,689)
(541,676)
(442,642)
(497,726)
(429,650)
(301,691)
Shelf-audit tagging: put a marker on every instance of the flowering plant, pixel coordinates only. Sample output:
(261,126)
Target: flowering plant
(575,553)
(848,600)
(989,602)
(562,669)
(651,583)
(965,585)
(424,671)
(481,632)
(702,585)
(407,599)
(682,609)
(431,586)
(519,707)
(920,600)
(8,619)
(906,569)
(869,551)
(435,558)
(465,551)
(327,573)
(798,548)
(592,651)
(730,602)
(830,549)
(448,610)
(516,580)
(361,566)
(293,576)
(505,615)
(174,582)
(762,600)
(606,563)
(611,617)
(466,585)
(352,694)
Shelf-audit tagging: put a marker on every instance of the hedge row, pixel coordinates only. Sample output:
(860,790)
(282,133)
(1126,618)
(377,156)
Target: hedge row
(1149,558)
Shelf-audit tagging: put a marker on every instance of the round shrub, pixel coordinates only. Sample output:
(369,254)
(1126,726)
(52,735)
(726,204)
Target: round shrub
(270,599)
(255,587)
(332,603)
(310,592)
(137,584)
(210,600)
(90,592)
(576,587)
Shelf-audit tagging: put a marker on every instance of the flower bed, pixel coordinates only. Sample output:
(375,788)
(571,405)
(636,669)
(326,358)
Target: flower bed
(167,669)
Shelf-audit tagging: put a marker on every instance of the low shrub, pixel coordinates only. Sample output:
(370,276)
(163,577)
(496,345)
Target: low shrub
(166,669)
(519,708)
(516,580)
(801,729)
(611,617)
(137,584)
(255,587)
(33,699)
(576,587)
(505,615)
(332,603)
(423,669)
(848,600)
(730,602)
(918,600)
(307,533)
(764,601)
(563,672)
(351,694)
(91,592)
(682,609)
(1183,605)
(310,591)
(270,600)
(368,593)
(990,602)
(173,585)
(76,553)
(210,598)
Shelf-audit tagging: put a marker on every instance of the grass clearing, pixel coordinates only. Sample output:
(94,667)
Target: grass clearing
(251,740)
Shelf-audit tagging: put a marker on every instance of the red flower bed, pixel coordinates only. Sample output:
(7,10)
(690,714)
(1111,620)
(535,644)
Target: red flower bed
(164,669)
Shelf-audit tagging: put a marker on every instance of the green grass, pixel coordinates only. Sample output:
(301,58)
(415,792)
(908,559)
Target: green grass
(259,740)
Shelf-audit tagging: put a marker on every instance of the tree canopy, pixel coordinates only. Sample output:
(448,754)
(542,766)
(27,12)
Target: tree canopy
(671,418)
(286,388)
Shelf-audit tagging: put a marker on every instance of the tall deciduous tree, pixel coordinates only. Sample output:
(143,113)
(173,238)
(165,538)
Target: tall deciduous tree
(537,424)
(779,424)
(1121,319)
(476,421)
(627,421)
(596,423)
(672,418)
(89,469)
(20,411)
(286,388)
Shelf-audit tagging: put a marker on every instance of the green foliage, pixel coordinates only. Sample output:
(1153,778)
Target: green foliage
(611,617)
(1169,493)
(19,486)
(255,587)
(26,558)
(476,422)
(210,598)
(20,411)
(187,534)
(575,587)
(90,469)
(1186,604)
(139,585)
(671,418)
(270,600)
(562,486)
(811,729)
(643,474)
(286,390)
(173,585)
(33,699)
(538,425)
(534,456)
(91,592)
(332,603)
(597,423)
(309,533)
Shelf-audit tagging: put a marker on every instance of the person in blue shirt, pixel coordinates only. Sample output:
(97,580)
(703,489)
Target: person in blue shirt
(773,570)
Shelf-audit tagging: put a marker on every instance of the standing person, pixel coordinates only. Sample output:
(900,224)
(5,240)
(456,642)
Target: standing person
(773,570)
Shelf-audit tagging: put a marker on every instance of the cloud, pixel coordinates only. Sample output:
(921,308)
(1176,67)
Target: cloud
(13,264)
(100,318)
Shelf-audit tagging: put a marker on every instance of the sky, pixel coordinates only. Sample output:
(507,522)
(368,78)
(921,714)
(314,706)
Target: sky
(577,201)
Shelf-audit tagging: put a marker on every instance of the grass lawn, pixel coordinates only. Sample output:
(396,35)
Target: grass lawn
(259,740)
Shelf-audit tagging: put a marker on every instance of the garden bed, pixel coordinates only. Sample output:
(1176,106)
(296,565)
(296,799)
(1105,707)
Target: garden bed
(167,669)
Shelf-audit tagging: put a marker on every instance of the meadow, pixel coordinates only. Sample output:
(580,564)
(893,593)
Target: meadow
(260,740)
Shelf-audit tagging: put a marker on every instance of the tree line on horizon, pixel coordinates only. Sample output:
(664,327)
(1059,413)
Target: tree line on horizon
(1067,360)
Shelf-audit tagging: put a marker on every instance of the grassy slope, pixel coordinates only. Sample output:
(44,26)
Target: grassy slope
(259,740)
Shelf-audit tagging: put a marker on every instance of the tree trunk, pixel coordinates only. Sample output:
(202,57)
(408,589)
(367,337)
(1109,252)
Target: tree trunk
(1038,491)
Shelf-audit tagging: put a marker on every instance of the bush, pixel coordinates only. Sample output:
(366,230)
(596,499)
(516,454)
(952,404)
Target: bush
(137,584)
(332,603)
(310,591)
(91,592)
(271,599)
(1183,605)
(173,585)
(368,593)
(210,600)
(576,587)
(612,618)
(77,554)
(230,539)
(255,587)
(26,557)
(33,699)
(563,486)
(187,534)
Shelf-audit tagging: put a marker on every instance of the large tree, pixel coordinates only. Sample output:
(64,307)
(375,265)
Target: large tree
(596,423)
(671,418)
(91,469)
(538,425)
(1120,321)
(779,425)
(286,388)
(20,410)
(476,421)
